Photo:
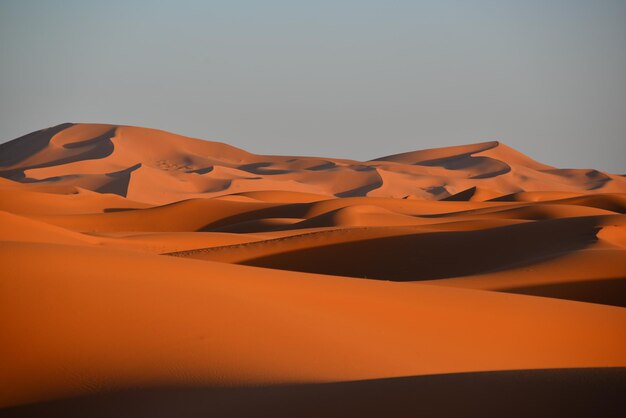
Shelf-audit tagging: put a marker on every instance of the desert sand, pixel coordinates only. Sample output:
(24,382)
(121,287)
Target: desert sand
(150,274)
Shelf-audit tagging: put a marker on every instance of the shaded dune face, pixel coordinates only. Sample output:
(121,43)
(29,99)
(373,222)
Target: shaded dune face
(536,393)
(149,274)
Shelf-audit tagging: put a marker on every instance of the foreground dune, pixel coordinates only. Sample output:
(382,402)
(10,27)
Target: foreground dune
(218,323)
(148,274)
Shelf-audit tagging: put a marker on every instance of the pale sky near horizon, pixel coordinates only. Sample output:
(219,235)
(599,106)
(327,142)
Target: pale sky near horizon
(356,79)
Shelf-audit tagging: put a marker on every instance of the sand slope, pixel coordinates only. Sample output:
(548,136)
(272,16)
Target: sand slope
(159,274)
(193,321)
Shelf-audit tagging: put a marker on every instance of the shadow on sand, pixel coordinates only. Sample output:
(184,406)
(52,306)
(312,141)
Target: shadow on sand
(526,393)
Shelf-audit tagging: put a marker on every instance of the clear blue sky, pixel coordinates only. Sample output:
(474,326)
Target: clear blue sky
(357,78)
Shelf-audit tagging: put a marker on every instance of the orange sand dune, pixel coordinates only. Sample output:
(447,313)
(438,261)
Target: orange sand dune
(168,321)
(150,274)
(157,167)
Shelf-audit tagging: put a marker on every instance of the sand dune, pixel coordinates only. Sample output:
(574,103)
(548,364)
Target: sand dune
(220,323)
(145,272)
(157,167)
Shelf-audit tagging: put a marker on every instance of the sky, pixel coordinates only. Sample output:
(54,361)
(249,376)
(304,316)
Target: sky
(356,78)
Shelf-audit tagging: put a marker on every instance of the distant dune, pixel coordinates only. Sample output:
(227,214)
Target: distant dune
(150,274)
(157,167)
